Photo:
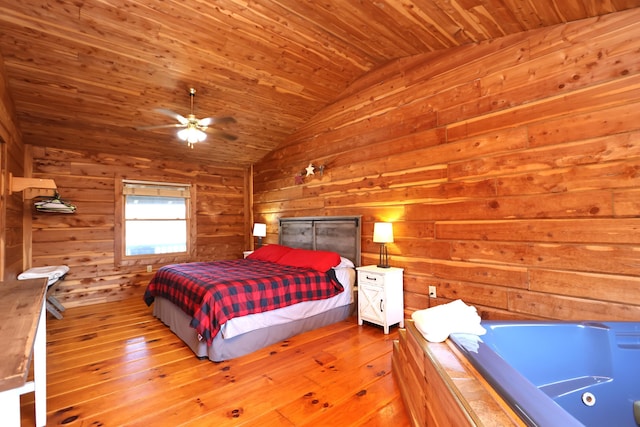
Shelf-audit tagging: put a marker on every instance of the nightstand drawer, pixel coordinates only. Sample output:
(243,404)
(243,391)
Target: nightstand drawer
(367,278)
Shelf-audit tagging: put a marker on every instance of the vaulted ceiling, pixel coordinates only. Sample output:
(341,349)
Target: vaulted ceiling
(85,74)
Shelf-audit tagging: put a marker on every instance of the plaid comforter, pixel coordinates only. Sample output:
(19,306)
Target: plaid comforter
(214,292)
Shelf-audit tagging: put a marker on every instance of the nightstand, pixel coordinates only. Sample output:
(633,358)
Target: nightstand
(246,253)
(380,296)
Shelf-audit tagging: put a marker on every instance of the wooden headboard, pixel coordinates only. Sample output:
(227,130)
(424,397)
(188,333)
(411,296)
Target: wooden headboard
(339,234)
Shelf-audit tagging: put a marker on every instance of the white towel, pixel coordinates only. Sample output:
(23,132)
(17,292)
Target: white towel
(437,323)
(53,273)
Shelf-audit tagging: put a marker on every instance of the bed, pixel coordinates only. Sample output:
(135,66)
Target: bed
(242,333)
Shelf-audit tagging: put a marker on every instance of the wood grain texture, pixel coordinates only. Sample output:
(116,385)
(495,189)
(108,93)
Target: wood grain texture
(441,388)
(21,304)
(509,169)
(84,75)
(86,241)
(12,161)
(498,143)
(132,370)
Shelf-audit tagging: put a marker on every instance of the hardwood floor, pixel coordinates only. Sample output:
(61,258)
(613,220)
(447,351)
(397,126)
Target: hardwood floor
(115,364)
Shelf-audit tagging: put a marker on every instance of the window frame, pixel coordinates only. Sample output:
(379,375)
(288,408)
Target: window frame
(121,259)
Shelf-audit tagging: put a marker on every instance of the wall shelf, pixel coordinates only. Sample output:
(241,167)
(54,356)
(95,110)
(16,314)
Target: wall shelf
(32,187)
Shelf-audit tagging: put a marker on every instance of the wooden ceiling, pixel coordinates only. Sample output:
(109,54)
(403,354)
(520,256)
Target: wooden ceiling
(83,74)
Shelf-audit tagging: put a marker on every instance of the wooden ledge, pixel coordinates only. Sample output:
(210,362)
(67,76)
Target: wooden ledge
(32,187)
(441,388)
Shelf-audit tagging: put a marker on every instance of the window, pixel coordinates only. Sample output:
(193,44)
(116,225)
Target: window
(156,219)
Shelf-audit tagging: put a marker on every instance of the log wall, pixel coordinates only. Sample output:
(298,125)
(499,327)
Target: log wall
(85,240)
(510,169)
(11,162)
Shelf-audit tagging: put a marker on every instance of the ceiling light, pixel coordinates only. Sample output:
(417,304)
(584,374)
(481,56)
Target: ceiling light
(192,135)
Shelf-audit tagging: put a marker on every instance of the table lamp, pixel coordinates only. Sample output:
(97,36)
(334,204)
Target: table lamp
(383,234)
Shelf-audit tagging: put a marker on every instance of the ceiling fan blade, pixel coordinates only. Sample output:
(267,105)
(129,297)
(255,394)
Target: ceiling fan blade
(173,114)
(216,121)
(175,125)
(219,133)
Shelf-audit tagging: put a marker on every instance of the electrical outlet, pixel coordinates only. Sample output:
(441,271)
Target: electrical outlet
(432,292)
(149,268)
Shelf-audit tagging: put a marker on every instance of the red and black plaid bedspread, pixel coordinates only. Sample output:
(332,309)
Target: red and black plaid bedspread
(214,292)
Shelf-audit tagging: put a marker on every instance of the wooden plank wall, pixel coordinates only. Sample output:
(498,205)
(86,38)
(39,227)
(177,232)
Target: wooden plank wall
(510,169)
(11,161)
(85,240)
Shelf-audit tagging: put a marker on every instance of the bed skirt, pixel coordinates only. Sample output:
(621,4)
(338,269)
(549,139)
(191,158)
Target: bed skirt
(224,349)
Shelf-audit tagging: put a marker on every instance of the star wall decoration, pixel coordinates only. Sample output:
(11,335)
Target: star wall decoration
(308,172)
(310,169)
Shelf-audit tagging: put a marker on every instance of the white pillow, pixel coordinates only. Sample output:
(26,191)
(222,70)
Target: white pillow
(346,277)
(344,263)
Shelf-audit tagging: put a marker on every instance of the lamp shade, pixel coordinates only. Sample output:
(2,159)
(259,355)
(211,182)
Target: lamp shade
(259,229)
(383,232)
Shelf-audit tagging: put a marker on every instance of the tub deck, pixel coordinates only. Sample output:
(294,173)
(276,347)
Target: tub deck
(441,388)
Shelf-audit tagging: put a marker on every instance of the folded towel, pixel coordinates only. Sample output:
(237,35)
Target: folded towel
(53,273)
(437,323)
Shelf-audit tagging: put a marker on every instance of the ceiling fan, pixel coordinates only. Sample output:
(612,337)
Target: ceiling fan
(193,129)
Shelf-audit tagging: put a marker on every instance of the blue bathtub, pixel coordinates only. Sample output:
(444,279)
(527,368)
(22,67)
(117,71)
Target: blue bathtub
(561,374)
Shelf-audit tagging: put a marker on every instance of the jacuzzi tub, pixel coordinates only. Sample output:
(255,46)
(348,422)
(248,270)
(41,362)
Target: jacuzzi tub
(561,374)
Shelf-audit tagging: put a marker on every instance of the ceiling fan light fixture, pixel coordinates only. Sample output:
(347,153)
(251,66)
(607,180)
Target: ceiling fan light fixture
(193,129)
(192,135)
